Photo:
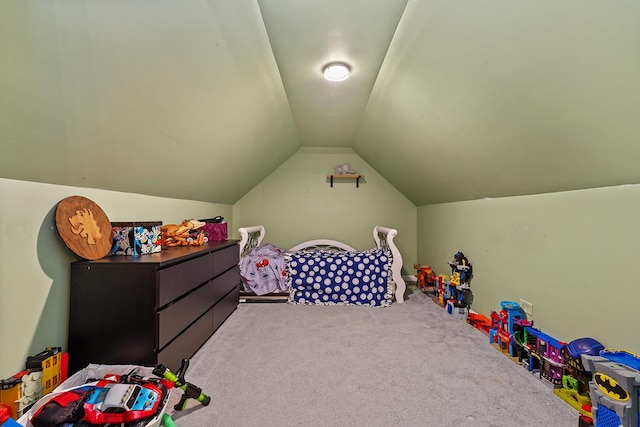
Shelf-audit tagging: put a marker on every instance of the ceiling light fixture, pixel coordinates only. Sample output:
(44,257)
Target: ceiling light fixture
(336,72)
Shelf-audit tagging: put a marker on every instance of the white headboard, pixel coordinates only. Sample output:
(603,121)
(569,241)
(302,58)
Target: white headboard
(250,237)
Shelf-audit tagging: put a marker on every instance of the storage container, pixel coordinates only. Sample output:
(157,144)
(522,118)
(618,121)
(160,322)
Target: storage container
(216,231)
(136,238)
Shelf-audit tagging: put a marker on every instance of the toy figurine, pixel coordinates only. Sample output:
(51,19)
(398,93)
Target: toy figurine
(460,264)
(459,287)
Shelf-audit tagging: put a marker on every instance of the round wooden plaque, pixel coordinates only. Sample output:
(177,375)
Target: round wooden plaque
(84,227)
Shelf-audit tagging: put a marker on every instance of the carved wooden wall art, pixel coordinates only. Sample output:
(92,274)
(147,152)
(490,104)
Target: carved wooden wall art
(84,227)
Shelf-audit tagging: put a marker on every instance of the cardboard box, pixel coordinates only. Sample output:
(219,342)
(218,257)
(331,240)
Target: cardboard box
(136,238)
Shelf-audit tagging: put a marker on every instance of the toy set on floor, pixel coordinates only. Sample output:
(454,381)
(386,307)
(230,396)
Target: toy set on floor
(602,384)
(99,395)
(42,374)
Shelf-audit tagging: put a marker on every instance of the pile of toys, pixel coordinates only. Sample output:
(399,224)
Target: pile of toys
(453,291)
(602,384)
(99,395)
(42,374)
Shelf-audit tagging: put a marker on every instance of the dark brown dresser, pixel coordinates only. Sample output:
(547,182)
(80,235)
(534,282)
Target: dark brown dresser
(150,309)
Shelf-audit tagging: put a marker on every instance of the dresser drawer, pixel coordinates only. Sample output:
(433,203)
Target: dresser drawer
(225,282)
(225,259)
(187,343)
(180,314)
(179,279)
(225,307)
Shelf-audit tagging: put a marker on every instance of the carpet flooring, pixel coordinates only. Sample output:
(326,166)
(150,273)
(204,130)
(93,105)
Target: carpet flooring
(411,364)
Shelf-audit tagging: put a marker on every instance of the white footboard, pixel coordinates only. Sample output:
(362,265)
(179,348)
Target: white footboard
(384,240)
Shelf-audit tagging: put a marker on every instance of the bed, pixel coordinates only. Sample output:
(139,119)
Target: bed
(321,271)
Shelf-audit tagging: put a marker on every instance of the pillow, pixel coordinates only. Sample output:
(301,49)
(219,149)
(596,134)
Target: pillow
(339,278)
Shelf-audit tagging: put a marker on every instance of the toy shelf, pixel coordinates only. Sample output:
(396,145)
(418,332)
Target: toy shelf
(355,176)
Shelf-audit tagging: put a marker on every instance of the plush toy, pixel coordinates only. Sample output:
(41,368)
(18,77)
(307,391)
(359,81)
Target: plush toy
(183,234)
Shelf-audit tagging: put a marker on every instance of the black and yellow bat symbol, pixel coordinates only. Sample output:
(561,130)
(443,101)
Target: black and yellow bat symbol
(610,387)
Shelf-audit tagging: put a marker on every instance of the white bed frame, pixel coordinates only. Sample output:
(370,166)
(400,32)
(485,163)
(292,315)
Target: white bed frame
(250,237)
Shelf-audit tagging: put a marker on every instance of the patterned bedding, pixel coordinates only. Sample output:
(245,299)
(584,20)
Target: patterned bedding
(262,270)
(339,278)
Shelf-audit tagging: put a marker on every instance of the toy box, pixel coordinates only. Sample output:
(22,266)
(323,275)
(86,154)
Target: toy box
(136,238)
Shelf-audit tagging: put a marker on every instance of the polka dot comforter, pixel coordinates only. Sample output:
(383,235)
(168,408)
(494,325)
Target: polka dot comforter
(339,278)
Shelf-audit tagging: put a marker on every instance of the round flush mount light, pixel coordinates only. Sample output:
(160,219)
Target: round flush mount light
(336,72)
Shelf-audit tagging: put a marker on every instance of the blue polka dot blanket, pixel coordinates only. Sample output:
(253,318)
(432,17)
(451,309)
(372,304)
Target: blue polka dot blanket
(339,278)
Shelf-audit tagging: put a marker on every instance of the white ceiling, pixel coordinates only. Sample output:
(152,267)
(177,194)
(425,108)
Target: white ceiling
(449,100)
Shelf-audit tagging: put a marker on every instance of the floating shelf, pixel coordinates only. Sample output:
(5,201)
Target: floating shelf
(346,176)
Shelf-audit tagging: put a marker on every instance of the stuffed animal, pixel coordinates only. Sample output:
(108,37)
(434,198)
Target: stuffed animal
(183,234)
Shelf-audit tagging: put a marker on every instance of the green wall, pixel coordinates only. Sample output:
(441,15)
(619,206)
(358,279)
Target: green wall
(296,203)
(572,255)
(34,262)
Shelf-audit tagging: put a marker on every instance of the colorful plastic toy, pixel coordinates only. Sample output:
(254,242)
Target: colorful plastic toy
(128,400)
(190,390)
(460,264)
(575,378)
(546,355)
(44,372)
(614,392)
(622,357)
(502,327)
(480,322)
(426,278)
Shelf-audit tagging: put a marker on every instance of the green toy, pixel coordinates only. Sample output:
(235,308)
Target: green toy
(190,390)
(167,421)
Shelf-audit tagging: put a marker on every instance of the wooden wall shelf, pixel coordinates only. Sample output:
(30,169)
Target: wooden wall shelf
(355,176)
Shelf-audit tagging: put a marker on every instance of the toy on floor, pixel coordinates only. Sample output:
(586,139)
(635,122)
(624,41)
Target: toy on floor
(545,357)
(502,326)
(426,279)
(44,372)
(190,390)
(5,416)
(460,266)
(575,378)
(614,391)
(459,289)
(480,322)
(128,400)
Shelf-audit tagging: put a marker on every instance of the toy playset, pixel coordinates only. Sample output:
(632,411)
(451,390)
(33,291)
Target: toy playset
(614,389)
(603,385)
(43,372)
(453,291)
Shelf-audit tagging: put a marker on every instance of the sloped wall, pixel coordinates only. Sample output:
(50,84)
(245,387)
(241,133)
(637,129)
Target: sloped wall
(571,254)
(296,203)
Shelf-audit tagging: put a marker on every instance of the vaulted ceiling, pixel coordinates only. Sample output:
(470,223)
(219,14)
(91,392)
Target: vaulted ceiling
(449,100)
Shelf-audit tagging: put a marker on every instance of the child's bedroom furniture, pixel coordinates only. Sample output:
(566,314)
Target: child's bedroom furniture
(252,237)
(150,309)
